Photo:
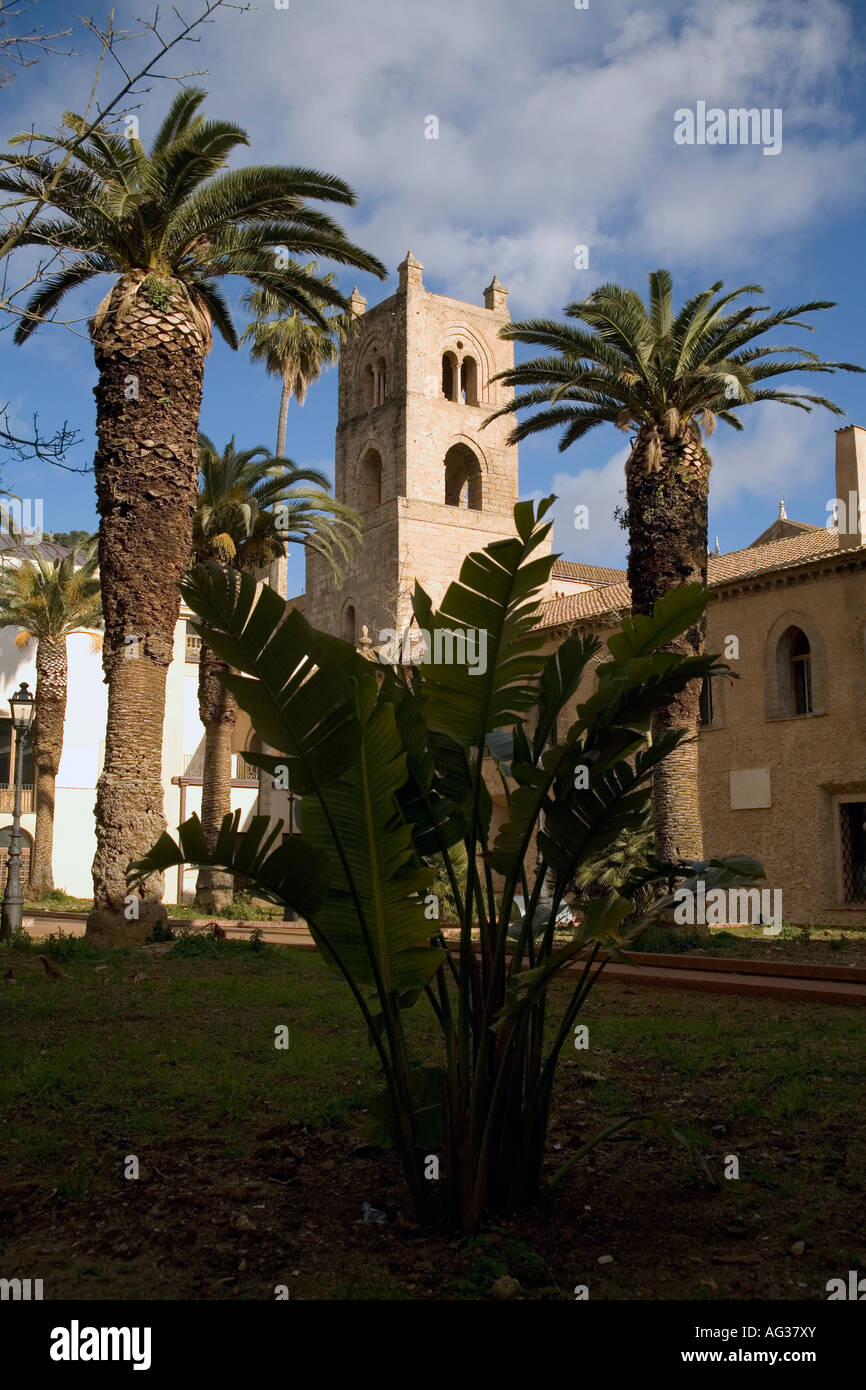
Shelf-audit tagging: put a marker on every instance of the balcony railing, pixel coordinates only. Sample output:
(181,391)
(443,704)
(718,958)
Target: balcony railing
(193,647)
(7,798)
(242,771)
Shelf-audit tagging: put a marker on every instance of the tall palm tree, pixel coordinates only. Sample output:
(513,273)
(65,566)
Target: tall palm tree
(167,223)
(294,348)
(667,378)
(48,601)
(250,505)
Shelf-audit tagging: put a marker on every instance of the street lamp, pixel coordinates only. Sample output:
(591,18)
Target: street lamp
(23,706)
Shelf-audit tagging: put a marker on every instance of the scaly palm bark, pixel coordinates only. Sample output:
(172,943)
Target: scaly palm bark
(667,547)
(150,361)
(49,717)
(47,602)
(218,712)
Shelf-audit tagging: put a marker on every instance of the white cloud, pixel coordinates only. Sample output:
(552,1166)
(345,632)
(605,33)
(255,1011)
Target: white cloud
(781,449)
(599,490)
(556,128)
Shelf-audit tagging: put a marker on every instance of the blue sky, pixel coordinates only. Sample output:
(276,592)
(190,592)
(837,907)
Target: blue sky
(555,130)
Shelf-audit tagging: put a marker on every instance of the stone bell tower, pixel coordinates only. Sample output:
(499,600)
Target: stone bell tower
(411,456)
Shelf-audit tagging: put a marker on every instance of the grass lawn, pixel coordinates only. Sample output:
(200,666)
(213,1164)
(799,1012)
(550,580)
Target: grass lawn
(252,1173)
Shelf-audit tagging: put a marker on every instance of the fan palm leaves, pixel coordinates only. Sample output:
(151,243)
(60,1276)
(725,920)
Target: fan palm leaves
(167,223)
(251,505)
(667,377)
(294,348)
(178,212)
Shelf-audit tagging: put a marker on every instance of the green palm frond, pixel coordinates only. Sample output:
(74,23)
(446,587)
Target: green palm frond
(262,504)
(52,598)
(657,364)
(176,209)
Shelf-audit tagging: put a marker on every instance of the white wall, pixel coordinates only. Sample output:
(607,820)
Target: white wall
(84,747)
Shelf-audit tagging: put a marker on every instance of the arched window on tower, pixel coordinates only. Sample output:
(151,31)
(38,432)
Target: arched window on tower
(469,381)
(462,478)
(376,382)
(348,632)
(370,480)
(449,376)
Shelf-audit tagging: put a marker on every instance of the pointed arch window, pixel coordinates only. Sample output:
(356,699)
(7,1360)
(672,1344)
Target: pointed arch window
(450,376)
(469,381)
(795,667)
(370,480)
(462,478)
(800,658)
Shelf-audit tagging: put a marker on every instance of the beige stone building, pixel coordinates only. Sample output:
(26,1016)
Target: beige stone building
(783,747)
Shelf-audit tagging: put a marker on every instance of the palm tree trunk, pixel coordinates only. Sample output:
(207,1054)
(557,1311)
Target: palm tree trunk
(51,674)
(218,712)
(286,396)
(667,520)
(150,346)
(284,415)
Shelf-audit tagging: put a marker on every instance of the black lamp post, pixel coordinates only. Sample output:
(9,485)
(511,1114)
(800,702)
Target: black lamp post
(23,706)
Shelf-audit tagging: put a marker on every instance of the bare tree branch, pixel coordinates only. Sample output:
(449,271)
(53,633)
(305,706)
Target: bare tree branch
(109,37)
(22,48)
(36,445)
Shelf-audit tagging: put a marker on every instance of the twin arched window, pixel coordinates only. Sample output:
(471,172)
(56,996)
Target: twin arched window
(460,378)
(377,381)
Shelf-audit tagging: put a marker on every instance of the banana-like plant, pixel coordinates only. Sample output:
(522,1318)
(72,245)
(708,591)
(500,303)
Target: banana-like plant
(396,765)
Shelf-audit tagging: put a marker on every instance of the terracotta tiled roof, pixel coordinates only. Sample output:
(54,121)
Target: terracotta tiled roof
(791,551)
(586,574)
(782,527)
(591,603)
(296,602)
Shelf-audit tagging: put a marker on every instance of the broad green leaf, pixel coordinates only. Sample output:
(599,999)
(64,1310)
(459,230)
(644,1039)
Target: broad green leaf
(293,873)
(297,693)
(677,609)
(494,605)
(426,1088)
(373,917)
